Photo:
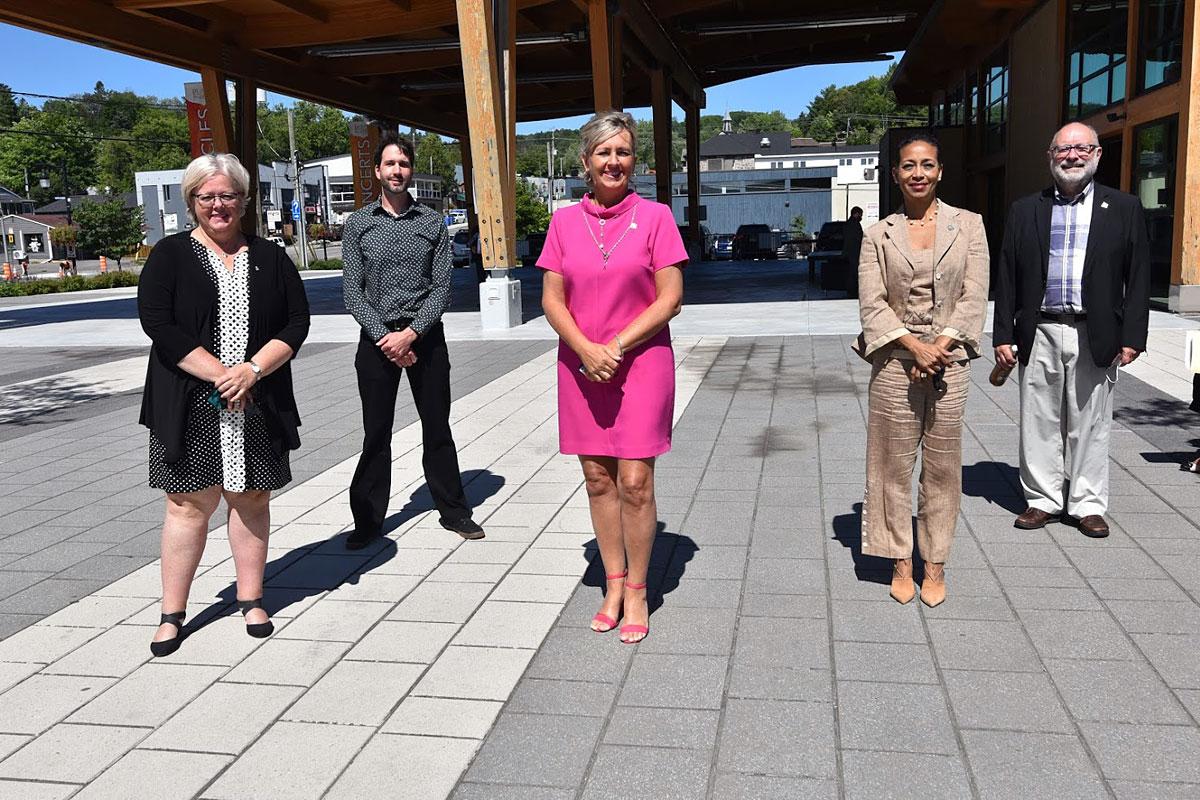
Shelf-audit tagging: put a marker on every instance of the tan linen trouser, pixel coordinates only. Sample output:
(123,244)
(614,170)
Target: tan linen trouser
(904,416)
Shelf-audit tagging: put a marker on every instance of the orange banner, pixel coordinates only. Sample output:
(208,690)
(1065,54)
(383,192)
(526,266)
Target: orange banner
(197,114)
(364,138)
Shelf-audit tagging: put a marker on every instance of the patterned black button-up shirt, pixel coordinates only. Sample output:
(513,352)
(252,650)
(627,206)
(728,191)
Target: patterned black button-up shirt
(395,268)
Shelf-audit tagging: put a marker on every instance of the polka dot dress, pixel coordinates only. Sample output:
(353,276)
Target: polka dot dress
(224,448)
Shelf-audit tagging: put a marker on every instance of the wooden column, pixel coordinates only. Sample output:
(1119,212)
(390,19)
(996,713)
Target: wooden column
(468,184)
(246,149)
(509,117)
(692,122)
(218,109)
(486,131)
(598,38)
(617,63)
(660,91)
(1185,258)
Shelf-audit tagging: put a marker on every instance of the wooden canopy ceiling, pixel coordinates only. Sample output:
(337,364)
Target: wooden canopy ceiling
(399,59)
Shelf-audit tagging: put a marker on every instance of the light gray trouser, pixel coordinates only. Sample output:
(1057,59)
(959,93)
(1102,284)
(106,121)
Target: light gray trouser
(1066,415)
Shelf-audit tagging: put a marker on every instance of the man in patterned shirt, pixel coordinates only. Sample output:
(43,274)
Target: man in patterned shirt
(396,284)
(1072,294)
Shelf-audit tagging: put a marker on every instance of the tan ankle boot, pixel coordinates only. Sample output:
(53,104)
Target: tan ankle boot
(933,588)
(903,589)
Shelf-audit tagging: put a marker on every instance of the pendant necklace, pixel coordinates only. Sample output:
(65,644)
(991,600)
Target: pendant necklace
(606,254)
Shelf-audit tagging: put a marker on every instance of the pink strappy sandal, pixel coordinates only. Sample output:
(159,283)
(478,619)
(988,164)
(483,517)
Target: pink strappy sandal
(605,619)
(642,629)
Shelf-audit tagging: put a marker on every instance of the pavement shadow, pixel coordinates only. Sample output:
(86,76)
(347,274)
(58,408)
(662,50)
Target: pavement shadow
(1158,413)
(669,558)
(847,530)
(22,404)
(478,484)
(996,482)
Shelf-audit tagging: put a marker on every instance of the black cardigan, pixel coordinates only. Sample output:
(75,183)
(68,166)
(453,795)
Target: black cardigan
(177,305)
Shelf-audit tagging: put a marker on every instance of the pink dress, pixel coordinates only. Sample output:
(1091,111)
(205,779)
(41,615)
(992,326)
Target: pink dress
(630,416)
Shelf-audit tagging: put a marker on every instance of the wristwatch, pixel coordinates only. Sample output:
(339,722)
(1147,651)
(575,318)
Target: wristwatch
(255,368)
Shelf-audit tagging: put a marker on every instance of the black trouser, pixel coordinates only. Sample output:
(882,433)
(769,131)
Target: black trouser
(378,382)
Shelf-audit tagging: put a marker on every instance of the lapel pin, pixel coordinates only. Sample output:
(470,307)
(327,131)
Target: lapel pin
(949,227)
(1104,204)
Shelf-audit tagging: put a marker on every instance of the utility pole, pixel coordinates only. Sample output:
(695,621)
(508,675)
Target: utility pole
(325,209)
(298,191)
(550,152)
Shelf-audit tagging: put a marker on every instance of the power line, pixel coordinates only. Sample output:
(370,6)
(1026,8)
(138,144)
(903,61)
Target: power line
(95,101)
(50,135)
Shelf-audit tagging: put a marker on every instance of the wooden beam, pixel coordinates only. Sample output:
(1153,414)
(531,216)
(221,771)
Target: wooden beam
(246,148)
(145,37)
(464,148)
(305,7)
(509,8)
(617,63)
(1185,254)
(486,131)
(133,5)
(217,102)
(692,125)
(661,91)
(391,64)
(601,49)
(642,24)
(403,5)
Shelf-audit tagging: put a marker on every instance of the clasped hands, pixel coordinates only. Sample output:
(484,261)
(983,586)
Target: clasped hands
(600,361)
(397,346)
(929,358)
(235,384)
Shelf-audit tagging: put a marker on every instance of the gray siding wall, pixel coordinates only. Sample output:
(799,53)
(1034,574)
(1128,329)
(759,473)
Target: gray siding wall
(725,212)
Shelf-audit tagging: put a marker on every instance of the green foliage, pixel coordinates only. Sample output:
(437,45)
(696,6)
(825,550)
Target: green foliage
(532,214)
(48,139)
(118,161)
(74,283)
(799,226)
(434,156)
(64,235)
(12,110)
(325,263)
(320,131)
(109,229)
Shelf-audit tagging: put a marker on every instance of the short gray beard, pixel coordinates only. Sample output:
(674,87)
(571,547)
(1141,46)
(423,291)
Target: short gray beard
(1072,184)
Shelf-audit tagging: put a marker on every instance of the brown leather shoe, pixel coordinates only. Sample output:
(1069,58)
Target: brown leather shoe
(1033,518)
(903,588)
(933,587)
(1093,525)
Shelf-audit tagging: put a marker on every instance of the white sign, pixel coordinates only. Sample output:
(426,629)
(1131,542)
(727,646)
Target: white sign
(170,222)
(274,217)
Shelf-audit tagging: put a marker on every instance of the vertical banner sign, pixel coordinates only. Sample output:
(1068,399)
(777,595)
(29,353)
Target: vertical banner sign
(364,138)
(197,114)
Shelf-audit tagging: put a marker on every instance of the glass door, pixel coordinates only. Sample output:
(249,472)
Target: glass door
(1154,184)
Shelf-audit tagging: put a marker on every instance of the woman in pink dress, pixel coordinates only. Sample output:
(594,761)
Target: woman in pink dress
(613,280)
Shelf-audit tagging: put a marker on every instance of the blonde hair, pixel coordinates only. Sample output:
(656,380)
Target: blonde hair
(206,167)
(599,129)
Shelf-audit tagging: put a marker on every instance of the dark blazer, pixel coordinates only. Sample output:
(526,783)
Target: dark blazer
(177,305)
(1116,274)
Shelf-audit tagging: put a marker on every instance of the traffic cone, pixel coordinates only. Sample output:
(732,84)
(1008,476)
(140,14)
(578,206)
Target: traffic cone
(8,272)
(103,265)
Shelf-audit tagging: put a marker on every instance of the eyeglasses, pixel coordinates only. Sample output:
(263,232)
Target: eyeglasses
(206,200)
(1064,150)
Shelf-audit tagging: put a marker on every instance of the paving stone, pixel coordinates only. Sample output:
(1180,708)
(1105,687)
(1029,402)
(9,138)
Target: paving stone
(872,661)
(1019,701)
(10,743)
(495,791)
(339,696)
(1142,616)
(777,738)
(373,772)
(799,643)
(982,645)
(43,644)
(561,746)
(675,681)
(1137,589)
(1173,656)
(71,753)
(337,621)
(580,655)
(12,582)
(40,701)
(290,662)
(1076,634)
(1031,598)
(1115,691)
(292,759)
(441,602)
(672,774)
(536,588)
(95,611)
(12,673)
(499,623)
(884,716)
(475,673)
(206,724)
(740,786)
(148,696)
(1145,752)
(875,775)
(1009,765)
(416,642)
(148,774)
(775,605)
(657,727)
(440,716)
(1127,790)
(883,621)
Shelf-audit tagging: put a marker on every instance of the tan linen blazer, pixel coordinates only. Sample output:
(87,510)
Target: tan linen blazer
(960,287)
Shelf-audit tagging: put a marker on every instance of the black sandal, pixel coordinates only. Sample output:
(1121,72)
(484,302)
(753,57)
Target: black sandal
(1191,466)
(168,646)
(259,630)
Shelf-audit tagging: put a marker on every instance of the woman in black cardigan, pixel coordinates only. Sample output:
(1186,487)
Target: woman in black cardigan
(226,313)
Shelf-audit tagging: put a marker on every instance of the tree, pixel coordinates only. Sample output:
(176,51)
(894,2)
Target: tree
(42,143)
(863,108)
(435,156)
(109,229)
(12,110)
(799,226)
(165,144)
(532,215)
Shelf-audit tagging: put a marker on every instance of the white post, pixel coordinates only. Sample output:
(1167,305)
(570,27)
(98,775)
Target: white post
(298,192)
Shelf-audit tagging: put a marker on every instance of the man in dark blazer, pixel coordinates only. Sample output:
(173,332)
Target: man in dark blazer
(852,239)
(1073,297)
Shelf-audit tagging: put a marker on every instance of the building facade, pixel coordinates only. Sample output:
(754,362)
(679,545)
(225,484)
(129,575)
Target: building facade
(1125,67)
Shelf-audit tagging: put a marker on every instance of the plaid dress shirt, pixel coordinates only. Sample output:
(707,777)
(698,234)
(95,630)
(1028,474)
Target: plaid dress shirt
(1070,221)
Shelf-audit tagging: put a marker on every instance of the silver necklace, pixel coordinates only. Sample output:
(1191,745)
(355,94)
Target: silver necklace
(606,254)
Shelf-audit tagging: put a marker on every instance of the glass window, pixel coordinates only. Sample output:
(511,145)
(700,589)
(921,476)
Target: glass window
(1154,184)
(1160,43)
(166,192)
(995,99)
(1096,57)
(954,106)
(767,186)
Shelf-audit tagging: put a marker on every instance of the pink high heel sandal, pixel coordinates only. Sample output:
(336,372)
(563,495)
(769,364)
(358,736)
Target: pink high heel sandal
(642,629)
(605,619)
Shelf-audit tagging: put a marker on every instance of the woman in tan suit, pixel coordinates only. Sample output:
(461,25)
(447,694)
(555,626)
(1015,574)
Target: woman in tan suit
(923,285)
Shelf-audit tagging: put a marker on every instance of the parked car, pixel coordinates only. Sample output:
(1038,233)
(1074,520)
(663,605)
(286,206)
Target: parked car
(827,255)
(722,249)
(277,240)
(756,240)
(533,244)
(685,233)
(460,248)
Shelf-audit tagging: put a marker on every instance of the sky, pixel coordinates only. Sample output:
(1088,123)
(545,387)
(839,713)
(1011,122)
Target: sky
(65,67)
